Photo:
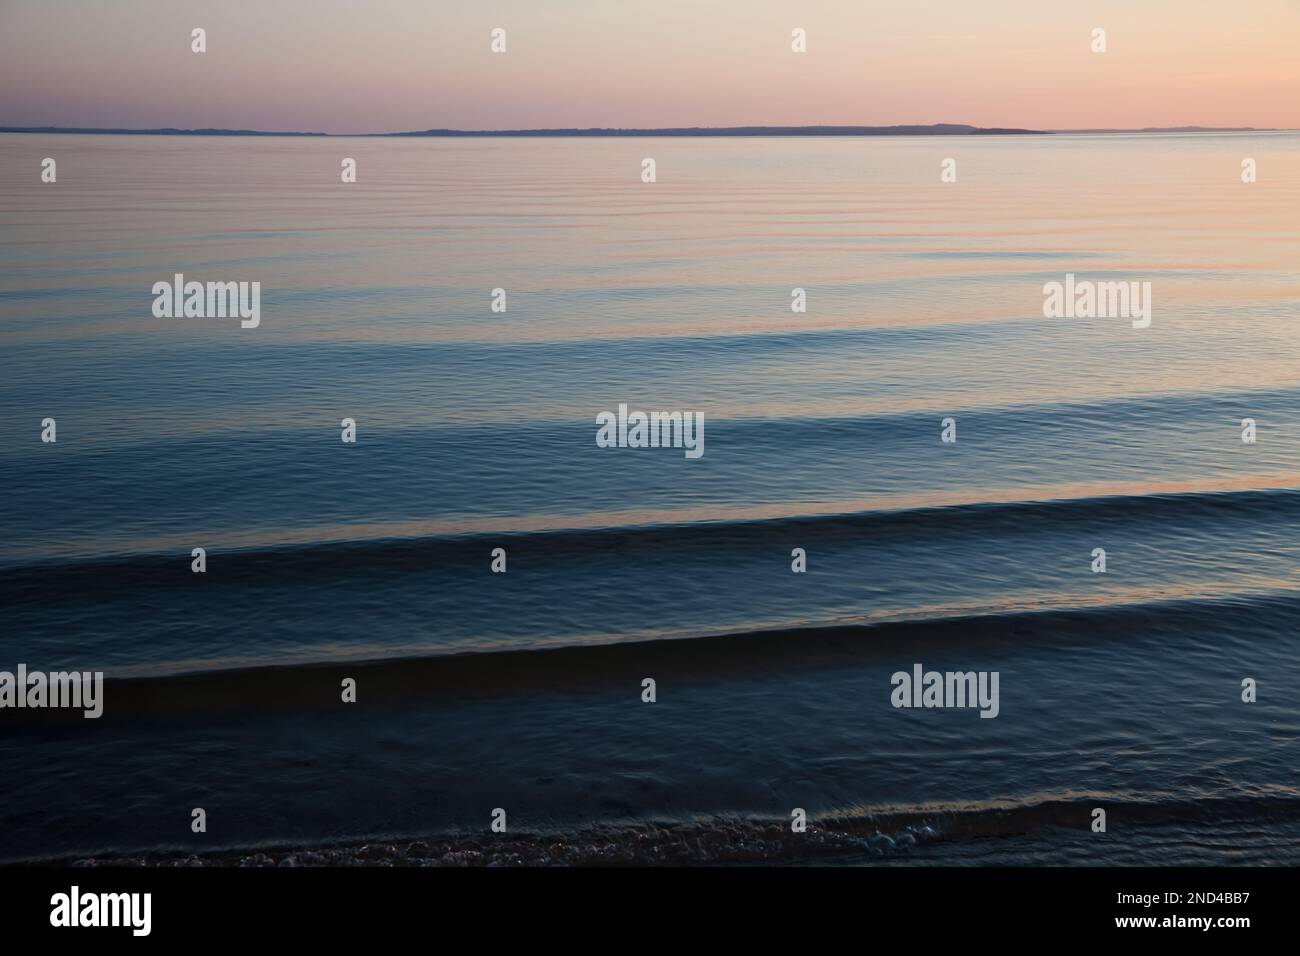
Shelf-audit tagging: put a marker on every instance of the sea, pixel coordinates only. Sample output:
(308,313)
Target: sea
(474,618)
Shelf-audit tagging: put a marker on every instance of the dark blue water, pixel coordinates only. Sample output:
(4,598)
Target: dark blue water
(476,431)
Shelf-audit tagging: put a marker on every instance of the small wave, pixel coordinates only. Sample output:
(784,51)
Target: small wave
(867,835)
(407,546)
(313,685)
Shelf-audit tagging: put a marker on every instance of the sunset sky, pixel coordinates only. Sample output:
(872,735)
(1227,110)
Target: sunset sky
(389,65)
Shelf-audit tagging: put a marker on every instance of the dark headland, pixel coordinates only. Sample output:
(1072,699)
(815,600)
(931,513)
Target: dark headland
(934,129)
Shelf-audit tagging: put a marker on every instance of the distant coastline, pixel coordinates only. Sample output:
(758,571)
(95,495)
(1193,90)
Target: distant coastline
(933,129)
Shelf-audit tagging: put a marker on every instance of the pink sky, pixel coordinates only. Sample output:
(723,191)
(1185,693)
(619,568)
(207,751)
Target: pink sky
(379,65)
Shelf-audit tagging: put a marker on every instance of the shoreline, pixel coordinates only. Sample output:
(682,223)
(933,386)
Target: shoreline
(723,842)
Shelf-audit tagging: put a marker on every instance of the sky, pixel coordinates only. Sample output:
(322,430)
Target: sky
(356,66)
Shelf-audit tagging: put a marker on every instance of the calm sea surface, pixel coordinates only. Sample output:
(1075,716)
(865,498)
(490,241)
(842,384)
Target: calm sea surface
(476,430)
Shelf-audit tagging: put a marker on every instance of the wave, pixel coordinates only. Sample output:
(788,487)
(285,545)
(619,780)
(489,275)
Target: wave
(456,675)
(890,834)
(447,546)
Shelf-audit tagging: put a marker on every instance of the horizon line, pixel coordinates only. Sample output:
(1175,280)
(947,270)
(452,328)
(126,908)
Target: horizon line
(930,129)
